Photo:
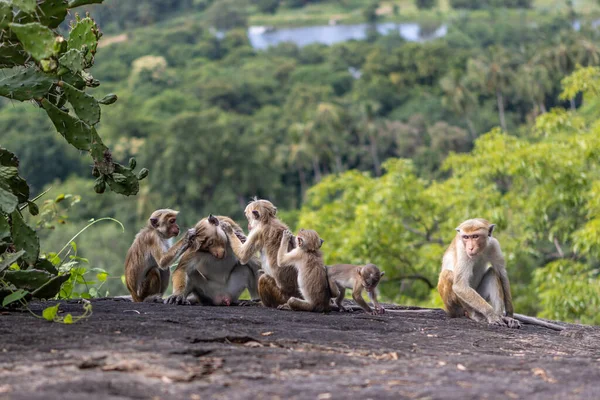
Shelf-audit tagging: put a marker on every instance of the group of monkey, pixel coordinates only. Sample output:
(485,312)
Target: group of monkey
(217,262)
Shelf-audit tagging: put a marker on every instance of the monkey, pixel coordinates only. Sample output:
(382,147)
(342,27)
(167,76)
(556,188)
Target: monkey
(313,281)
(278,283)
(357,278)
(469,287)
(150,255)
(209,273)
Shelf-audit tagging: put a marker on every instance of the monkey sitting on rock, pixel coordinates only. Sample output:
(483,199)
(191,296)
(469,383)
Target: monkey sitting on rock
(151,254)
(474,282)
(209,273)
(313,281)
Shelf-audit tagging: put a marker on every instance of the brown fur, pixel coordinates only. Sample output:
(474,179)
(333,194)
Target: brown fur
(149,257)
(265,235)
(312,275)
(210,271)
(357,278)
(467,285)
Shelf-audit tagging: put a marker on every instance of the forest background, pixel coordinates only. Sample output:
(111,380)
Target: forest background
(383,145)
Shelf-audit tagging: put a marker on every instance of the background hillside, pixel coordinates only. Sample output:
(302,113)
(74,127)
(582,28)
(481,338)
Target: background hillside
(380,143)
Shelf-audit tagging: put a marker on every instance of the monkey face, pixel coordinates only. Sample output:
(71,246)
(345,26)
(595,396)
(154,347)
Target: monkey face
(165,222)
(210,238)
(474,235)
(259,211)
(474,242)
(309,240)
(371,276)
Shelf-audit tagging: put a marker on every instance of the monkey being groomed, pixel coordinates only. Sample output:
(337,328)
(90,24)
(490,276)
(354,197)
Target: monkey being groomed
(209,273)
(474,282)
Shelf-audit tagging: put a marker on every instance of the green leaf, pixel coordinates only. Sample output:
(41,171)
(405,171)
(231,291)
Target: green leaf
(25,84)
(76,132)
(5,238)
(12,54)
(25,238)
(8,201)
(6,15)
(30,279)
(86,107)
(49,313)
(51,12)
(50,288)
(11,181)
(108,99)
(33,208)
(9,259)
(16,296)
(77,3)
(25,5)
(38,40)
(73,60)
(68,319)
(8,158)
(84,37)
(102,276)
(44,264)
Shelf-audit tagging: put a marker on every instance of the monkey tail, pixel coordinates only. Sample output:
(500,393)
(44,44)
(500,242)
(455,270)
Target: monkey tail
(535,321)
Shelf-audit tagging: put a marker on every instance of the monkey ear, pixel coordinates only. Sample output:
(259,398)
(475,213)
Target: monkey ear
(492,226)
(458,230)
(322,241)
(382,273)
(274,210)
(359,271)
(154,222)
(300,241)
(213,220)
(256,214)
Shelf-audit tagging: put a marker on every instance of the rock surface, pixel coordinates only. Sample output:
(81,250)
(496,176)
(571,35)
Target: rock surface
(144,351)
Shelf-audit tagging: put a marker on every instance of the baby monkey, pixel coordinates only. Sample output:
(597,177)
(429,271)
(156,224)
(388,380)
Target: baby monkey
(357,278)
(312,275)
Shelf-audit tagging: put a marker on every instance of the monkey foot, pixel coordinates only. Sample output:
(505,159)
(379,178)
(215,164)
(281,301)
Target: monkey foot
(177,299)
(511,322)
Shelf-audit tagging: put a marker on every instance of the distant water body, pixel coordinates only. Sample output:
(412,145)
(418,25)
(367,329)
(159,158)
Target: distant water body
(331,34)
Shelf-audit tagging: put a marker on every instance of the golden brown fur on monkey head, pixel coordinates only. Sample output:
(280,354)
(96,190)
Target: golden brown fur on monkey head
(209,237)
(309,240)
(259,212)
(474,235)
(164,222)
(370,275)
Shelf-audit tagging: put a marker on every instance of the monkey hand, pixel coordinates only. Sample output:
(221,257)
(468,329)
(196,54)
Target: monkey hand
(285,306)
(379,310)
(511,322)
(226,227)
(287,234)
(241,236)
(190,235)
